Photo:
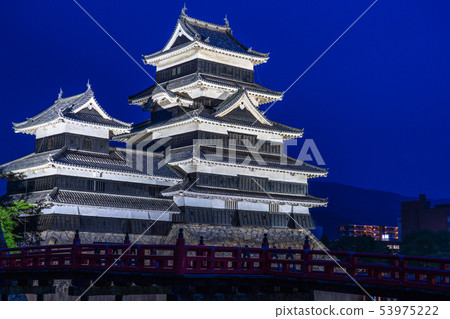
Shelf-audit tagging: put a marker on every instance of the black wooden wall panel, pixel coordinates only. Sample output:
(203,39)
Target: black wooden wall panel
(101,224)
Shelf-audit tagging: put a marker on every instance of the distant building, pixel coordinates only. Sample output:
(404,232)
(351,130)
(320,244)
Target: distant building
(418,215)
(379,233)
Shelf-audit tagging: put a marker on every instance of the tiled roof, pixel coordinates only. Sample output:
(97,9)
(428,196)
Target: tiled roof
(207,114)
(31,160)
(119,201)
(92,118)
(194,77)
(114,161)
(92,199)
(239,84)
(64,107)
(35,197)
(245,158)
(189,187)
(231,102)
(218,36)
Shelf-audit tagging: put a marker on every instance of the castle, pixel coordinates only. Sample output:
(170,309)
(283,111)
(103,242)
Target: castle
(207,160)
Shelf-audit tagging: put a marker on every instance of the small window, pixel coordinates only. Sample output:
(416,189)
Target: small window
(274,208)
(100,186)
(87,143)
(96,186)
(91,186)
(207,102)
(174,71)
(231,204)
(50,143)
(179,70)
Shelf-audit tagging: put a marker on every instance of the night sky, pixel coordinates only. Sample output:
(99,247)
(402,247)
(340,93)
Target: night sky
(377,105)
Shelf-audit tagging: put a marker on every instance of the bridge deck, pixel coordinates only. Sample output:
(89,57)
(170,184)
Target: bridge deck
(205,262)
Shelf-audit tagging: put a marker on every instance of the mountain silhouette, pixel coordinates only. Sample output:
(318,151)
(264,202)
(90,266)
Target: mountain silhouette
(355,205)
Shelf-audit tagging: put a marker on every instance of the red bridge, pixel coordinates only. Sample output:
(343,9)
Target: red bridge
(153,267)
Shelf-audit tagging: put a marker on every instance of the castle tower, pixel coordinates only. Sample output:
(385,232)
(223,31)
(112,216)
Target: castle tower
(84,183)
(205,118)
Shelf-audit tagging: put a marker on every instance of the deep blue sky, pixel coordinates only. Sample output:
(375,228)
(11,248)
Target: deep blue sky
(377,105)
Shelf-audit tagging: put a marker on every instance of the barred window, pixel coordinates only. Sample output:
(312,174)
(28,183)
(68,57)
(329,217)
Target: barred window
(231,204)
(96,186)
(50,143)
(100,186)
(240,138)
(274,208)
(87,143)
(250,183)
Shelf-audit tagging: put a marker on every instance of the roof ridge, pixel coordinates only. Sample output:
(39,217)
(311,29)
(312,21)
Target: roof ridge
(57,154)
(202,23)
(57,102)
(65,99)
(225,103)
(92,94)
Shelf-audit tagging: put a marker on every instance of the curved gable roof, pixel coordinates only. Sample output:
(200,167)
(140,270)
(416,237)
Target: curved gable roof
(72,108)
(209,34)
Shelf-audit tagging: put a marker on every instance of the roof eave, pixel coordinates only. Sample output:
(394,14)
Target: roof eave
(192,159)
(156,57)
(300,201)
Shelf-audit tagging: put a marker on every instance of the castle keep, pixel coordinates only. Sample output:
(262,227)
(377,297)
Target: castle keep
(207,160)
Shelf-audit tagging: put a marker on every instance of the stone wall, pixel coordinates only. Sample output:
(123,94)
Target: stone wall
(213,235)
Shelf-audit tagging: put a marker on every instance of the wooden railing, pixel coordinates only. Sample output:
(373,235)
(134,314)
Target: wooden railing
(414,272)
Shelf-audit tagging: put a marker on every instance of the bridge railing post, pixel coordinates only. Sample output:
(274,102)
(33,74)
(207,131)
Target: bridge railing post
(179,256)
(48,259)
(266,262)
(444,279)
(76,250)
(403,265)
(353,261)
(307,257)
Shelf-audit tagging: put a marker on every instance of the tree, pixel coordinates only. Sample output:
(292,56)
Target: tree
(426,243)
(364,244)
(325,240)
(9,220)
